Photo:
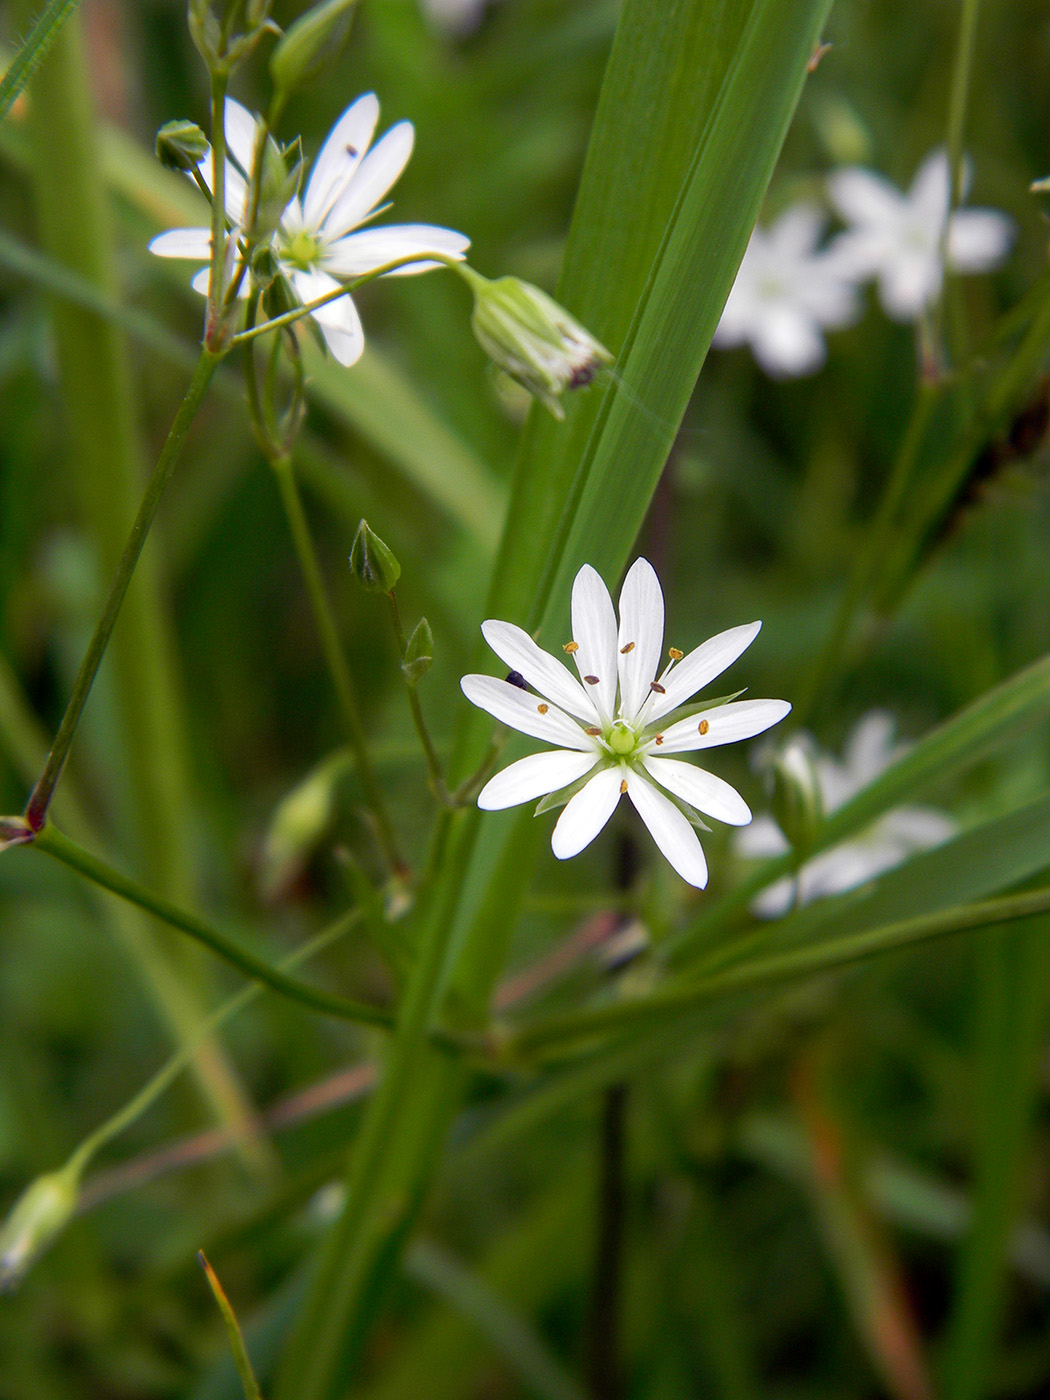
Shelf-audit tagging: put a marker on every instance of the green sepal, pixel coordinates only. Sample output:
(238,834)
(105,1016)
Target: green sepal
(372,562)
(559,798)
(419,653)
(310,44)
(181,145)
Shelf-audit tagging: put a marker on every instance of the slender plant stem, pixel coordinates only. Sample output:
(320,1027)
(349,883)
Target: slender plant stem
(950,310)
(227,948)
(560,1033)
(434,769)
(40,797)
(213,333)
(604,1360)
(335,659)
(169,1071)
(871,553)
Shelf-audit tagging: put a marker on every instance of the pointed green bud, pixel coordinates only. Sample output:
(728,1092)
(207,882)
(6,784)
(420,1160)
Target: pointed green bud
(797,801)
(181,145)
(280,175)
(528,335)
(40,1213)
(372,563)
(310,44)
(419,653)
(205,31)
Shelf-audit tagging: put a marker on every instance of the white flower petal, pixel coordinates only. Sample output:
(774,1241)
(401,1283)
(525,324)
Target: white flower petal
(235,188)
(340,324)
(796,233)
(200,281)
(701,666)
(368,249)
(373,177)
(542,671)
(763,838)
(585,814)
(642,630)
(726,724)
(978,239)
(788,343)
(527,713)
(594,632)
(930,191)
(862,197)
(702,790)
(909,282)
(534,777)
(670,829)
(192,243)
(339,158)
(241,131)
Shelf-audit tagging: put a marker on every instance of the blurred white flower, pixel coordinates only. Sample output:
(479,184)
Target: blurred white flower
(612,730)
(320,242)
(786,294)
(457,16)
(887,842)
(897,237)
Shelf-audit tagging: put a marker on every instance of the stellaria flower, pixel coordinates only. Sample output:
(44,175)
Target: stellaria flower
(869,751)
(614,727)
(320,241)
(786,293)
(897,237)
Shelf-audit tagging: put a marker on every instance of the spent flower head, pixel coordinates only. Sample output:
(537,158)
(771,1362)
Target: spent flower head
(900,238)
(786,294)
(615,727)
(529,336)
(41,1212)
(869,751)
(319,242)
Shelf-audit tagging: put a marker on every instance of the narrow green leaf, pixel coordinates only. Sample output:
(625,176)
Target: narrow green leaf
(233,1332)
(44,32)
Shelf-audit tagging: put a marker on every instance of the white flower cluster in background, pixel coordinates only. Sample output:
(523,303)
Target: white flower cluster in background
(614,727)
(869,751)
(789,291)
(320,241)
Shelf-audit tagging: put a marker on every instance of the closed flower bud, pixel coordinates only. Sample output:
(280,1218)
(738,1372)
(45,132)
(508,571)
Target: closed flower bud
(299,824)
(797,802)
(372,563)
(533,339)
(310,44)
(181,145)
(39,1214)
(419,653)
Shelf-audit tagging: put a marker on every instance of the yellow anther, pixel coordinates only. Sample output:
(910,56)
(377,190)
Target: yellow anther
(627,648)
(703,726)
(542,709)
(659,739)
(675,654)
(570,647)
(593,731)
(623,785)
(591,680)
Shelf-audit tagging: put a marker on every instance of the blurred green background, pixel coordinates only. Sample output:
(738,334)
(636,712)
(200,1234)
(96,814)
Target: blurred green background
(798,1179)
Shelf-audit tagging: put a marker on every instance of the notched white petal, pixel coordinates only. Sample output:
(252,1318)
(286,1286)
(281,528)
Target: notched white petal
(514,646)
(670,829)
(535,776)
(641,634)
(726,724)
(526,713)
(704,791)
(701,666)
(594,632)
(585,814)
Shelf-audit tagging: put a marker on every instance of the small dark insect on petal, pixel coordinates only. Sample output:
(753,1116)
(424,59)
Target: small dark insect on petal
(660,689)
(352,152)
(582,375)
(591,680)
(516,678)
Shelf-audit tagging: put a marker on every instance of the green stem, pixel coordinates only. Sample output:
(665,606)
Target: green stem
(336,661)
(173,1067)
(40,797)
(559,1034)
(957,105)
(213,333)
(434,769)
(227,948)
(872,551)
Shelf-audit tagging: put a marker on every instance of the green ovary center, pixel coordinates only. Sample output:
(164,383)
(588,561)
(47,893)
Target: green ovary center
(302,251)
(622,741)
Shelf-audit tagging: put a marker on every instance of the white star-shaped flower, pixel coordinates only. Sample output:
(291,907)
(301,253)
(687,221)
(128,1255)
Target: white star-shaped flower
(897,237)
(786,294)
(613,728)
(869,751)
(320,242)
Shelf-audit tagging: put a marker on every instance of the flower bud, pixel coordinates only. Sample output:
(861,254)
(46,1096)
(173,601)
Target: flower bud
(372,563)
(797,802)
(533,339)
(280,174)
(299,823)
(419,653)
(205,32)
(39,1214)
(181,145)
(310,44)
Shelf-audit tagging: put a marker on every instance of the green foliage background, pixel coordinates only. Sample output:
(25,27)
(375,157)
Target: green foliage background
(833,1188)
